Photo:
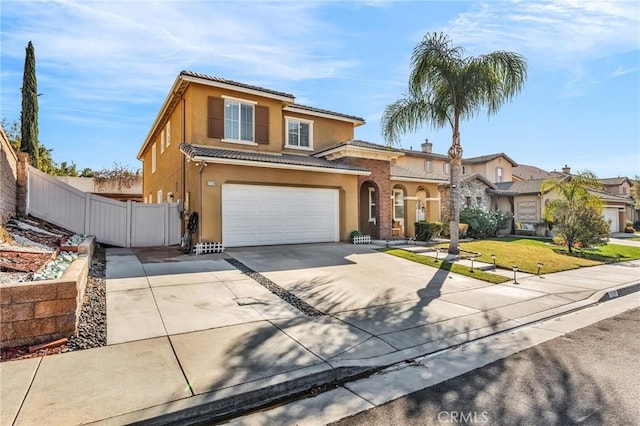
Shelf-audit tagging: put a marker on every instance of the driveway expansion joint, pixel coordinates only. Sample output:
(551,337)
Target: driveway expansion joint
(274,288)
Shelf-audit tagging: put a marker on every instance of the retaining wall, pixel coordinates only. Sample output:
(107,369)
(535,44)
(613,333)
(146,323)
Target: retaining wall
(42,311)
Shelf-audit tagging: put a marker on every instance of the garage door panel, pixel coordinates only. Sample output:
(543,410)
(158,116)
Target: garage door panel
(266,215)
(611,214)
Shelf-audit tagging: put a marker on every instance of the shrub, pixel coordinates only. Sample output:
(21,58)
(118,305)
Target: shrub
(462,230)
(482,222)
(425,231)
(629,228)
(354,234)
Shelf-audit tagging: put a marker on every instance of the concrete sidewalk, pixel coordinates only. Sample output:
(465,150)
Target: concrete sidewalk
(192,337)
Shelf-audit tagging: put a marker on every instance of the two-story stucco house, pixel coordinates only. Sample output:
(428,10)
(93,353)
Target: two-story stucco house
(260,169)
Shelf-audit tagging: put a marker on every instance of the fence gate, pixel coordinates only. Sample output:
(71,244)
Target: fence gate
(119,223)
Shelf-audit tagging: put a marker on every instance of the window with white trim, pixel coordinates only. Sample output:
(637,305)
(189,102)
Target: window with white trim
(160,196)
(299,133)
(153,158)
(162,142)
(168,132)
(447,168)
(428,166)
(238,120)
(498,174)
(372,205)
(398,204)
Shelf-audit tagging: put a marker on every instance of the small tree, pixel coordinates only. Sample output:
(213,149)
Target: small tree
(29,115)
(577,214)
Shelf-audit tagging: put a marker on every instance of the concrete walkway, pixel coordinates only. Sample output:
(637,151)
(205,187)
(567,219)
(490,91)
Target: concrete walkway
(193,336)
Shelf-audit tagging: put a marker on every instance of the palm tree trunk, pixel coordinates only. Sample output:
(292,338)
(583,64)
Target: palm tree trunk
(455,171)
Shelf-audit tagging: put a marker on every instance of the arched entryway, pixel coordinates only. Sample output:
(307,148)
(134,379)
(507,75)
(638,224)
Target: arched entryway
(369,221)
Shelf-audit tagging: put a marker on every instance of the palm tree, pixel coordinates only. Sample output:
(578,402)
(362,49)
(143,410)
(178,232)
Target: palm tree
(445,87)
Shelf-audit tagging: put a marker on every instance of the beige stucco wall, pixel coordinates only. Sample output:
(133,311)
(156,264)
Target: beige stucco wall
(210,210)
(8,176)
(325,131)
(488,169)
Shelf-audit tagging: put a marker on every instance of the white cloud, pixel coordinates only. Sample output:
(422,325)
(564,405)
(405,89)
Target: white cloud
(559,32)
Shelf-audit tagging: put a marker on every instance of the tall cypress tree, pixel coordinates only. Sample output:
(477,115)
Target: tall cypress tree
(29,116)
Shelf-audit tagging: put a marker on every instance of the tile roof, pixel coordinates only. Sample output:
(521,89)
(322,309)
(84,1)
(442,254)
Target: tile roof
(531,186)
(192,151)
(403,172)
(489,157)
(235,83)
(526,172)
(359,144)
(325,111)
(605,196)
(614,181)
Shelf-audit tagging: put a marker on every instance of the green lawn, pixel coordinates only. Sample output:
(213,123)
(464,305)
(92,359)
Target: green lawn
(458,269)
(526,253)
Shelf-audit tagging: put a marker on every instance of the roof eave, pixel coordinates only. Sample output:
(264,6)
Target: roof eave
(269,165)
(356,122)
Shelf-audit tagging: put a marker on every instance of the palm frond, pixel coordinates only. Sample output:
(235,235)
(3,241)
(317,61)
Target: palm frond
(409,113)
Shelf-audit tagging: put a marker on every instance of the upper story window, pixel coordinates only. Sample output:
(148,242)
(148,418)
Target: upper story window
(299,133)
(428,166)
(624,190)
(447,168)
(168,132)
(238,121)
(162,142)
(498,174)
(464,170)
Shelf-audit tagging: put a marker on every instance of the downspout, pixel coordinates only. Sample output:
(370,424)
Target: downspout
(202,166)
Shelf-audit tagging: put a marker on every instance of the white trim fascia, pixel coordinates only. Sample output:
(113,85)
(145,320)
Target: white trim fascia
(241,100)
(161,113)
(408,179)
(239,142)
(323,115)
(221,85)
(251,163)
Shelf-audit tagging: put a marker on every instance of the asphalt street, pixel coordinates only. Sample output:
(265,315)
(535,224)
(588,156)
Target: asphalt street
(589,377)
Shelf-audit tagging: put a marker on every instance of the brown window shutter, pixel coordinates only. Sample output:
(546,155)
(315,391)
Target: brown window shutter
(262,124)
(216,117)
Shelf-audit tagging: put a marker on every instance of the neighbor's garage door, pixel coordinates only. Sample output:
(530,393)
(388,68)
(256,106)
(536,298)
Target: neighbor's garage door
(262,215)
(611,214)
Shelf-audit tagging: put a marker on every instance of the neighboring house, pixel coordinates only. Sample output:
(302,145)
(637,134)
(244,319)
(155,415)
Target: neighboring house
(527,172)
(110,188)
(526,202)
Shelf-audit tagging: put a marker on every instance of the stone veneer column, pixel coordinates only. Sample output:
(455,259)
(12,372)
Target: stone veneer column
(21,184)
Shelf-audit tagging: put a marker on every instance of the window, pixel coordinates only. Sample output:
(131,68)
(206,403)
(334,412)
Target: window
(162,142)
(168,132)
(160,196)
(428,166)
(238,121)
(464,170)
(624,190)
(153,158)
(479,200)
(498,174)
(447,168)
(372,205)
(398,204)
(468,201)
(299,134)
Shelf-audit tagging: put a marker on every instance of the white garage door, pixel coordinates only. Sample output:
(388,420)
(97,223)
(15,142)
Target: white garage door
(254,215)
(611,214)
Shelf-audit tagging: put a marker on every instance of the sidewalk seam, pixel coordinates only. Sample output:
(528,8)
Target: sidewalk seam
(35,373)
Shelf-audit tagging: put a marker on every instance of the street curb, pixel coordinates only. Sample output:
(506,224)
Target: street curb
(330,374)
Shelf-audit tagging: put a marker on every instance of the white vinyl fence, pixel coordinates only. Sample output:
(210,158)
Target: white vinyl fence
(118,223)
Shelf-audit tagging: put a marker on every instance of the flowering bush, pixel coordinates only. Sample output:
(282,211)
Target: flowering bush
(484,223)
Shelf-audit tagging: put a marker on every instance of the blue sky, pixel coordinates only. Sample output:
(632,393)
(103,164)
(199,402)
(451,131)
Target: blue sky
(105,68)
